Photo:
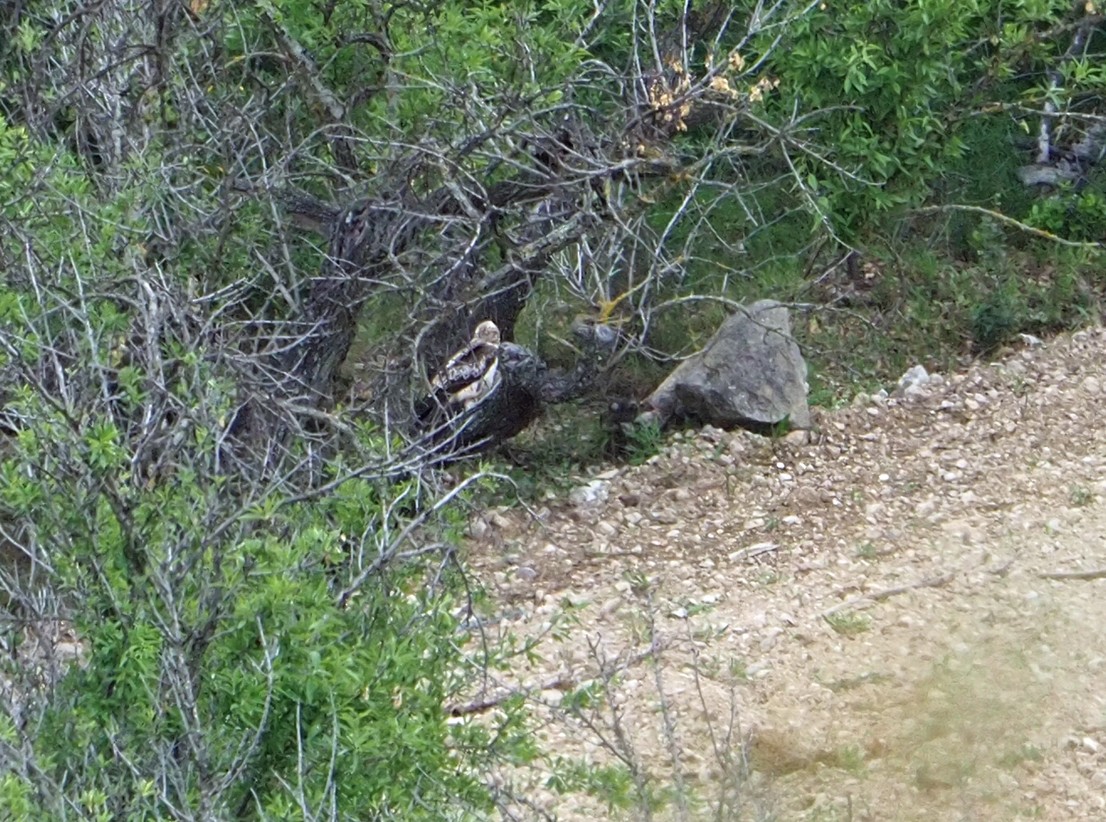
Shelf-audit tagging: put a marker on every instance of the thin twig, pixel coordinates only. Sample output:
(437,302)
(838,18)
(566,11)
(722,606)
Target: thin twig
(563,683)
(1018,224)
(868,600)
(1098,573)
(756,551)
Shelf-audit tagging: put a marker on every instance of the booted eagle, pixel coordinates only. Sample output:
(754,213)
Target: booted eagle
(470,373)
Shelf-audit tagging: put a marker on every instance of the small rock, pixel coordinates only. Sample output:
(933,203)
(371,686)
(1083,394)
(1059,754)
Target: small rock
(771,639)
(664,516)
(915,378)
(1092,386)
(711,434)
(800,436)
(914,392)
(756,668)
(592,495)
(805,496)
(925,507)
(526,573)
(610,606)
(552,696)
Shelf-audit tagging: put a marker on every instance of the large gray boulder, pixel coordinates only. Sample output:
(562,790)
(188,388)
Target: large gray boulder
(750,374)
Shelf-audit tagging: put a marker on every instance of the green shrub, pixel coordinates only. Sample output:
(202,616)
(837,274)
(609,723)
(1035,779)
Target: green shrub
(225,674)
(249,642)
(1079,216)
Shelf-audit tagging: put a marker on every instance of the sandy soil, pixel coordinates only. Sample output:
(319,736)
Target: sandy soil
(884,622)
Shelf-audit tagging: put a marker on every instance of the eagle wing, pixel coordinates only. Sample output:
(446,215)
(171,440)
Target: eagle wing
(469,374)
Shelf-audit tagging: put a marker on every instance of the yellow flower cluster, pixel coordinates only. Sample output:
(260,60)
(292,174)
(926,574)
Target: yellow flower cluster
(670,98)
(722,85)
(757,90)
(663,97)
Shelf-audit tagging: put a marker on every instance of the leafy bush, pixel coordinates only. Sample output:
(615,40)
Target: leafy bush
(242,652)
(198,627)
(1079,216)
(901,87)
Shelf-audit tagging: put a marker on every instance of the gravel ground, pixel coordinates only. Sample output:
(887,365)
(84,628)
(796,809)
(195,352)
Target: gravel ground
(883,620)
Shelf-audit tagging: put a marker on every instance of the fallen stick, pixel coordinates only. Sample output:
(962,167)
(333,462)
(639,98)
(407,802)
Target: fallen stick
(878,596)
(560,683)
(563,683)
(1099,573)
(755,551)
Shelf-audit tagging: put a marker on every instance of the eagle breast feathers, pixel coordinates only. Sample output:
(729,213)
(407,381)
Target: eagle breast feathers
(471,373)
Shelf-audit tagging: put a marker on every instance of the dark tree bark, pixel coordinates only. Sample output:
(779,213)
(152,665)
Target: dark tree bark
(365,245)
(390,242)
(525,386)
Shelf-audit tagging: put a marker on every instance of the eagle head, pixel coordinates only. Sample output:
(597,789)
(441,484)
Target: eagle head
(487,332)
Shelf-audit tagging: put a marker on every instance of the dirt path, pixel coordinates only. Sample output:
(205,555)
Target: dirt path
(874,625)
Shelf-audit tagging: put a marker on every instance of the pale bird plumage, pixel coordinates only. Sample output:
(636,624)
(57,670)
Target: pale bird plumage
(471,373)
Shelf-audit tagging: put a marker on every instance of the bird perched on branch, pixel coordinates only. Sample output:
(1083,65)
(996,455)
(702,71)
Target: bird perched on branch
(471,373)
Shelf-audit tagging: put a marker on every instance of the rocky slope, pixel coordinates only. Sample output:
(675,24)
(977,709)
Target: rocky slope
(901,617)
